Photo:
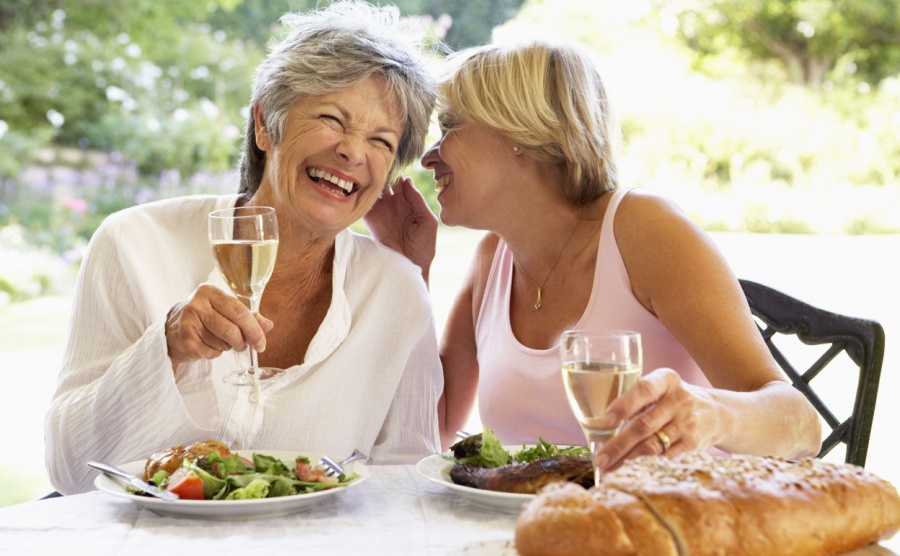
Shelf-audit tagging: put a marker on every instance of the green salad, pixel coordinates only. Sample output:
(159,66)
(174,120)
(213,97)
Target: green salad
(213,477)
(484,450)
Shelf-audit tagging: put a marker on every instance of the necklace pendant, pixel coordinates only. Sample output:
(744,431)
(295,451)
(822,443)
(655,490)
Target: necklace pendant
(537,304)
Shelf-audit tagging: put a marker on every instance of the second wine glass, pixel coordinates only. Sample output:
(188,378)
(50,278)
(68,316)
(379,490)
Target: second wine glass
(598,367)
(244,242)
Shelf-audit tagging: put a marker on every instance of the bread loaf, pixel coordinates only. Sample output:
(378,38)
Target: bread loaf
(701,505)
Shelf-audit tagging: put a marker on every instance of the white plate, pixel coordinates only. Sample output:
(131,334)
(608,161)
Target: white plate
(222,510)
(437,470)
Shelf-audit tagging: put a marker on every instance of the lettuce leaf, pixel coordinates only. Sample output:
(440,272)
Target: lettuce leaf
(257,488)
(492,453)
(544,449)
(270,465)
(223,467)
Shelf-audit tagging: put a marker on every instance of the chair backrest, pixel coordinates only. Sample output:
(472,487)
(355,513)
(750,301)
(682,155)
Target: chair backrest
(862,340)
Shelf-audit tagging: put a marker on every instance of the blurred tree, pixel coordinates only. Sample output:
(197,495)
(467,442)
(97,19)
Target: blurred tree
(164,82)
(24,12)
(809,38)
(473,20)
(256,20)
(167,93)
(147,22)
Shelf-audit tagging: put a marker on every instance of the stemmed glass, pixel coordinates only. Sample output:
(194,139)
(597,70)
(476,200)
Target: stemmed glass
(244,242)
(598,366)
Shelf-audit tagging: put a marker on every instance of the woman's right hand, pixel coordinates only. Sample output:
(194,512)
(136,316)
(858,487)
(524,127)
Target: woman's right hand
(662,406)
(402,220)
(209,322)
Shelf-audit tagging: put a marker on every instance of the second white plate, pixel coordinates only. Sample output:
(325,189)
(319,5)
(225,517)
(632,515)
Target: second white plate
(437,469)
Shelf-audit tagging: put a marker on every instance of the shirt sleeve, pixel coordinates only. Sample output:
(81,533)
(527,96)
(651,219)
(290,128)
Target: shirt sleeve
(117,398)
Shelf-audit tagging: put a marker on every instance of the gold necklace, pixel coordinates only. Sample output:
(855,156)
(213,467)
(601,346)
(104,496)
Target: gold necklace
(540,287)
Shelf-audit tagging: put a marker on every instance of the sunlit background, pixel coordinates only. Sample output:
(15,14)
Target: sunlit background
(775,125)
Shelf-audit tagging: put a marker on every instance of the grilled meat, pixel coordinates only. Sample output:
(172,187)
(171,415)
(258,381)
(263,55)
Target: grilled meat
(525,478)
(170,459)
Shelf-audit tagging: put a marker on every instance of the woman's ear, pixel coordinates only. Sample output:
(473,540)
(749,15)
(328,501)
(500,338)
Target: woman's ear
(263,141)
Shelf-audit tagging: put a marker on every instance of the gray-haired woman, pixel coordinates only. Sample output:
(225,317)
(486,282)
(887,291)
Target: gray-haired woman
(338,107)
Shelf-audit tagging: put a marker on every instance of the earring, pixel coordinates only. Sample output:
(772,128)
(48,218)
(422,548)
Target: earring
(517,151)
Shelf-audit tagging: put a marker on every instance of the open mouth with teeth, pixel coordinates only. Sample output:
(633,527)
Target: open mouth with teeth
(332,183)
(441,184)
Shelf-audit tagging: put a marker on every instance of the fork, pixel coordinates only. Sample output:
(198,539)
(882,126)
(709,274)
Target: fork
(337,468)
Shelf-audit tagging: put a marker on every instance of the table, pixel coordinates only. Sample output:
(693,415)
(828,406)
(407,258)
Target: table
(395,511)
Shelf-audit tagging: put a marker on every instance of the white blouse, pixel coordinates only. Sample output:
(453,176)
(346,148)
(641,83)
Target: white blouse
(371,378)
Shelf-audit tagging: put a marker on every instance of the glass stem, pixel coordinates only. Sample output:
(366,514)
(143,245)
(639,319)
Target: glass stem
(596,441)
(253,305)
(253,359)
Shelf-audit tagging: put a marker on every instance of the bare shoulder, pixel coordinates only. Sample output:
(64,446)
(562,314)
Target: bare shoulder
(650,212)
(663,249)
(484,252)
(480,269)
(649,223)
(482,261)
(480,265)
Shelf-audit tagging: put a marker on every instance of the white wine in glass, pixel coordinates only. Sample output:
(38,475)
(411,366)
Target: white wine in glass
(597,368)
(244,242)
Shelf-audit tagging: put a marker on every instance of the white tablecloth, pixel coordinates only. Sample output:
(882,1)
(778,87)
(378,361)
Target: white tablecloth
(394,512)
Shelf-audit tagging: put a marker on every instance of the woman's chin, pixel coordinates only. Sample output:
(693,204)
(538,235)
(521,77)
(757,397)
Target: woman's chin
(446,217)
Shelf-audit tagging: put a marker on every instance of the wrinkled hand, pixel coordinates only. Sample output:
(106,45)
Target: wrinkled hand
(210,322)
(402,220)
(660,401)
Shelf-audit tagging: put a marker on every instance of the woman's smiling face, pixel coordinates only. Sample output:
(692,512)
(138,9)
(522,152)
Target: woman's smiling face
(471,166)
(334,157)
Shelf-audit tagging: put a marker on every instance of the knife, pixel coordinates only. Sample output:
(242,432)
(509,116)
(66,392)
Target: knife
(136,482)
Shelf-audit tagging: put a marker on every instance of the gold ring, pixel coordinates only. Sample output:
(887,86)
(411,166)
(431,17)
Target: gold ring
(666,441)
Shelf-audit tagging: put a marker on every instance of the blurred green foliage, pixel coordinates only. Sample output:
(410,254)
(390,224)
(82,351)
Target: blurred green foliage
(157,90)
(167,99)
(163,82)
(735,142)
(812,40)
(153,93)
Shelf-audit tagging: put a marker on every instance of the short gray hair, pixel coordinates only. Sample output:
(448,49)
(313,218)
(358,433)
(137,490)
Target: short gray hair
(333,49)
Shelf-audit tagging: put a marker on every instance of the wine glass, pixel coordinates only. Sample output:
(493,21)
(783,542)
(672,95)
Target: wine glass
(598,366)
(244,242)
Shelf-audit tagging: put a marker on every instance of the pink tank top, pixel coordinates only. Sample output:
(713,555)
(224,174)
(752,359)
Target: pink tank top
(520,391)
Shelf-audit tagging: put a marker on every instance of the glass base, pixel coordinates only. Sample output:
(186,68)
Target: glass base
(249,377)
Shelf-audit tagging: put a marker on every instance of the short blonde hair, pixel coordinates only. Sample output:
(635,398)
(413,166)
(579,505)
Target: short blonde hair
(547,98)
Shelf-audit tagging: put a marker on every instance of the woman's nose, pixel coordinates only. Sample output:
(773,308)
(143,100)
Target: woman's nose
(432,156)
(351,149)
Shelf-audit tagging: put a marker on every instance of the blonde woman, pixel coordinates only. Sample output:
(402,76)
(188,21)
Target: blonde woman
(528,154)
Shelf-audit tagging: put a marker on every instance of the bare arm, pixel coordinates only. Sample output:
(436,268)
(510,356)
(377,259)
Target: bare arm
(679,275)
(459,353)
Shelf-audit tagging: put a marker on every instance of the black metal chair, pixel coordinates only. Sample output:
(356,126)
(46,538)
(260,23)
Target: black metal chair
(779,315)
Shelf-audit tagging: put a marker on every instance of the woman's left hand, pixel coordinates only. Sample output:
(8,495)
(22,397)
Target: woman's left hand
(663,416)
